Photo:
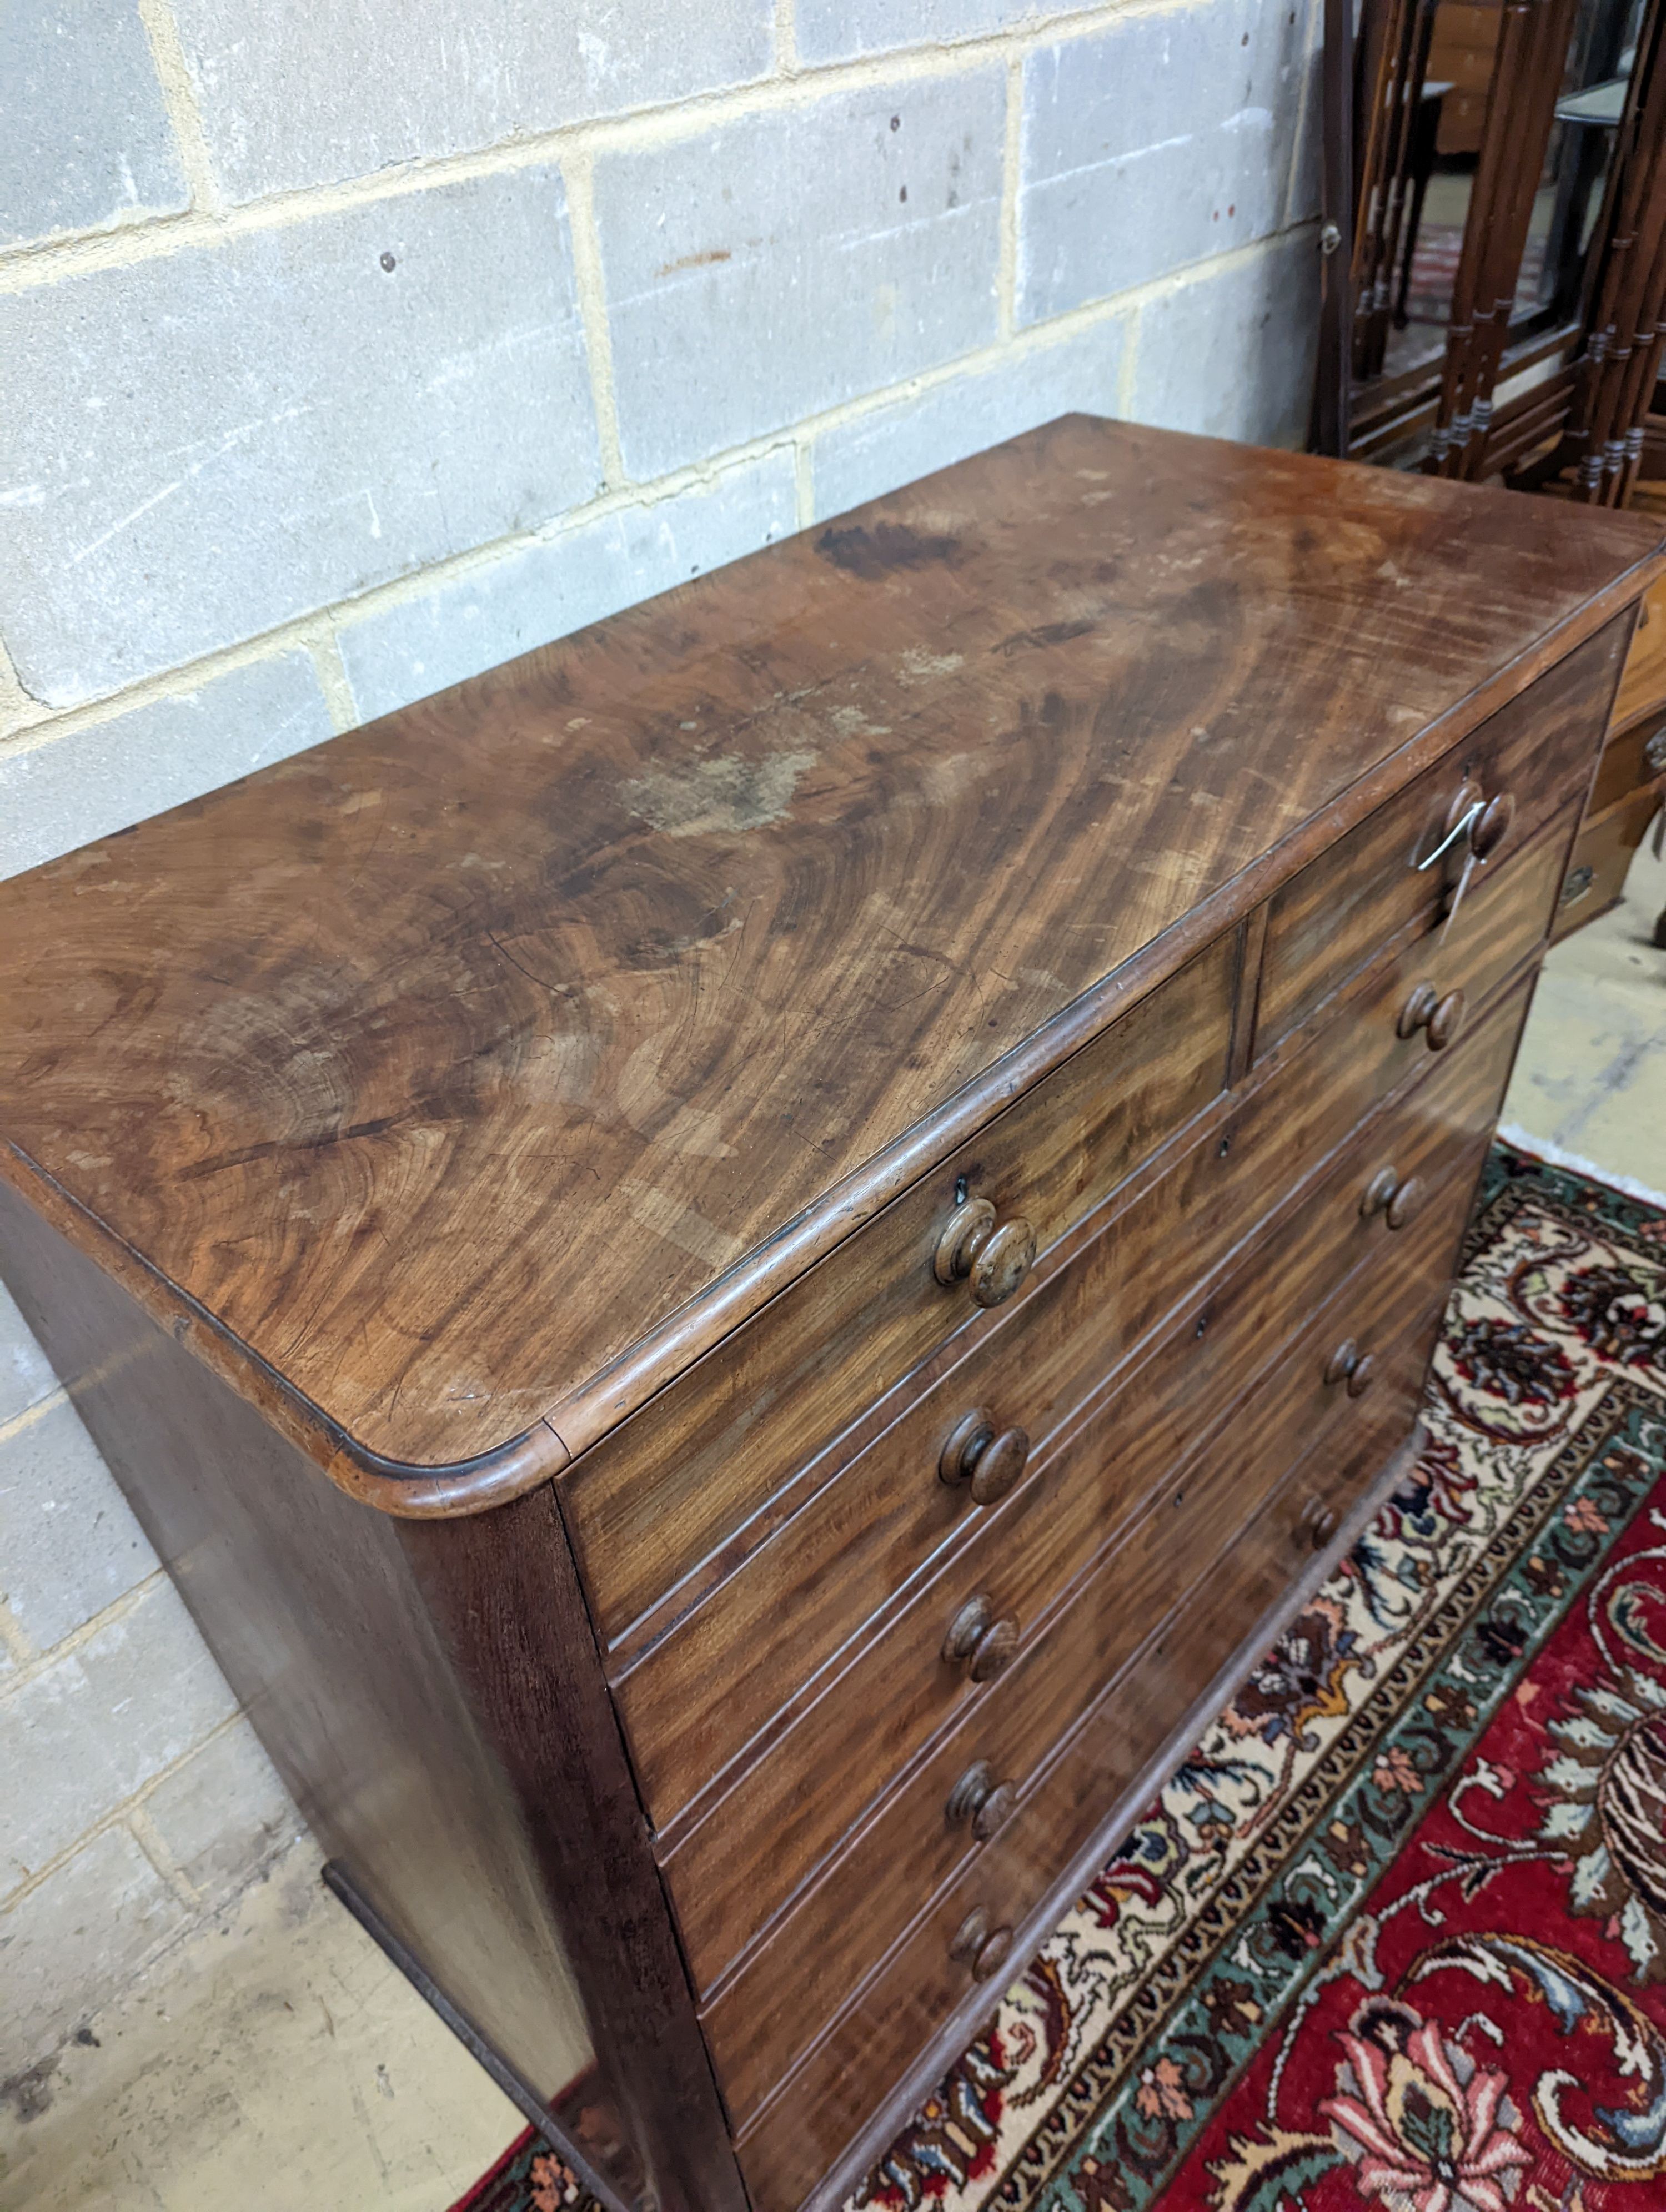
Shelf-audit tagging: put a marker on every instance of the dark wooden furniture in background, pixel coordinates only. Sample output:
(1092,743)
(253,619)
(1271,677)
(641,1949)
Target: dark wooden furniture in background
(1552,140)
(738,1265)
(1463,52)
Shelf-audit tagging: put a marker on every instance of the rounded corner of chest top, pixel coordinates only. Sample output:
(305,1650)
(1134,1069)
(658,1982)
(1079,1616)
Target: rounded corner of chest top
(411,1491)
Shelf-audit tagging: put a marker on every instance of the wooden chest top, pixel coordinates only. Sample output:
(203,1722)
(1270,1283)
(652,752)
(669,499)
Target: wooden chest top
(462,1077)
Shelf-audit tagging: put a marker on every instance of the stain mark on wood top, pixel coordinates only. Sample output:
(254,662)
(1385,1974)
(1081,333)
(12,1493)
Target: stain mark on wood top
(438,1065)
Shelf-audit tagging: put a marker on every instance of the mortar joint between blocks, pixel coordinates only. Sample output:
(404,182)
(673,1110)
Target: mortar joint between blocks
(146,1834)
(333,681)
(591,290)
(1006,275)
(786,37)
(132,1815)
(18,707)
(209,222)
(14,1643)
(180,98)
(317,631)
(28,1417)
(38,1662)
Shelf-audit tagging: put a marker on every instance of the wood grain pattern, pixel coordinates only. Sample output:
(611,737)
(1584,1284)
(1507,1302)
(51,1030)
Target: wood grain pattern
(791,2142)
(1631,759)
(1250,1148)
(1119,1719)
(767,2013)
(1606,845)
(1642,685)
(311,1608)
(1535,753)
(503,1594)
(855,1125)
(697,1698)
(696,1469)
(441,1071)
(743,1415)
(745,1854)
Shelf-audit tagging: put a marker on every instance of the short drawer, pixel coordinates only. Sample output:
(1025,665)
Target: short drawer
(650,1504)
(786,1813)
(1643,680)
(697,1698)
(1010,1881)
(1601,858)
(1390,1021)
(1522,766)
(1630,762)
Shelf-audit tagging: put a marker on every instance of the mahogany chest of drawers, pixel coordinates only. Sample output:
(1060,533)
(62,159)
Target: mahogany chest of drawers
(737,1265)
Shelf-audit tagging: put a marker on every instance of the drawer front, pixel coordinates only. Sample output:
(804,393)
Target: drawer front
(1601,860)
(693,1703)
(1531,758)
(1643,682)
(817,2112)
(1630,760)
(787,1814)
(1384,1027)
(826,1945)
(650,1504)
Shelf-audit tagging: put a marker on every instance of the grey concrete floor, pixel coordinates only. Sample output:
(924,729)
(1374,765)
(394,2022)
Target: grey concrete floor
(279,2063)
(1591,1074)
(276,2063)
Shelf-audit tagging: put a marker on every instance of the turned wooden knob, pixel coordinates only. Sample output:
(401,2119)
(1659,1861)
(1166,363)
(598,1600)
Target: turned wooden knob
(1468,796)
(1492,826)
(1406,1199)
(992,1953)
(1440,1019)
(1396,1201)
(1378,1191)
(973,1930)
(976,1454)
(1347,1364)
(979,1798)
(991,1258)
(978,1641)
(1445,1022)
(1414,1014)
(1318,1523)
(979,1946)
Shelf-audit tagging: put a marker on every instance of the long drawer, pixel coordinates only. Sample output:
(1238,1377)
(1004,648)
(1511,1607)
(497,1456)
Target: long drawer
(816,2112)
(697,1699)
(1525,764)
(880,1882)
(650,1503)
(740,1863)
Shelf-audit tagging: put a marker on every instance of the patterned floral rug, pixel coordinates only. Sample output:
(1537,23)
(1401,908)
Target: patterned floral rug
(1394,1935)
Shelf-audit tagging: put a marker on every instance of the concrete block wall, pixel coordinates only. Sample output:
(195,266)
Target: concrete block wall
(349,348)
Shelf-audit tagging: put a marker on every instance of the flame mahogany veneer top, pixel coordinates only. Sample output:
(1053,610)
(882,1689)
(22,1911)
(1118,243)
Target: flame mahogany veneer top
(451,1084)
